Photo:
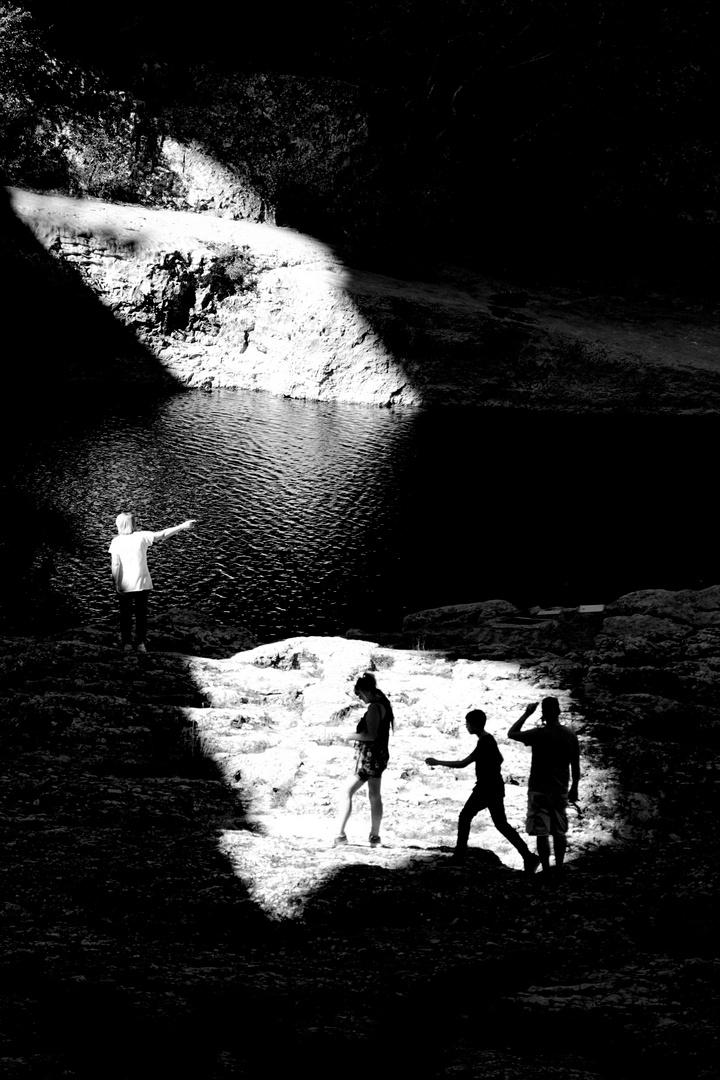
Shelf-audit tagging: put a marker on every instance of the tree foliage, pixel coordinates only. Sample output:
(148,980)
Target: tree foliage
(28,79)
(497,118)
(63,126)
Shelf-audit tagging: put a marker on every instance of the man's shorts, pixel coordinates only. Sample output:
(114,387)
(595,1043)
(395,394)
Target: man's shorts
(546,814)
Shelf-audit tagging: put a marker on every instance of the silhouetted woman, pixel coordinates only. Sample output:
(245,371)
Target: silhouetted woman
(371,757)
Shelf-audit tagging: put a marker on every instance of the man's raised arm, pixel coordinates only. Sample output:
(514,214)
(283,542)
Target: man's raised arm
(516,729)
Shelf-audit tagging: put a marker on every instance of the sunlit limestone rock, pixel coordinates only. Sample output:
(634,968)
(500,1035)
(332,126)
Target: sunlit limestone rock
(211,187)
(295,709)
(310,339)
(218,302)
(224,303)
(278,721)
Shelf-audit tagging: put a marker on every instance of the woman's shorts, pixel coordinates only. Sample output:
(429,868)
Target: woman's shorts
(370,761)
(546,814)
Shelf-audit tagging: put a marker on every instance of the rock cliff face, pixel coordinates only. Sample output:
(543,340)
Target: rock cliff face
(224,303)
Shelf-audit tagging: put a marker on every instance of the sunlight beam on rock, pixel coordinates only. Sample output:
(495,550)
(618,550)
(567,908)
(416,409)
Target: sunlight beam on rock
(276,728)
(225,303)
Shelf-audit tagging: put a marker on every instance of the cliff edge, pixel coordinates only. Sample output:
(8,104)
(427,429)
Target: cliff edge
(223,303)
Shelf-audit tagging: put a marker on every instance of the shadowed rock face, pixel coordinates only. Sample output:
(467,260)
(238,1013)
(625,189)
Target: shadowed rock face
(654,670)
(645,673)
(64,337)
(223,303)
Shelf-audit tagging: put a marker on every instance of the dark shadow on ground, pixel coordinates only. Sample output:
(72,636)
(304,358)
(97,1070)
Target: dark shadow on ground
(481,969)
(120,913)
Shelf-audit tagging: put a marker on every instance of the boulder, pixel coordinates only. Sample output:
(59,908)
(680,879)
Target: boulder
(641,626)
(193,631)
(458,615)
(696,607)
(497,629)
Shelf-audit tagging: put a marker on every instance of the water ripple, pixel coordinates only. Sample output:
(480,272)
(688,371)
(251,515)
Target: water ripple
(317,516)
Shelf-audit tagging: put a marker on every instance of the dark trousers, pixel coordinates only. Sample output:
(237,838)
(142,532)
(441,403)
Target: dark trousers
(492,799)
(138,601)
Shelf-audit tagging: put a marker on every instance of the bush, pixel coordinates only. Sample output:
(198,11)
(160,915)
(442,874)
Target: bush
(233,271)
(63,127)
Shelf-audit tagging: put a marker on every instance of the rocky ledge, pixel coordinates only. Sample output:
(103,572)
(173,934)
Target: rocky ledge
(644,667)
(222,303)
(170,892)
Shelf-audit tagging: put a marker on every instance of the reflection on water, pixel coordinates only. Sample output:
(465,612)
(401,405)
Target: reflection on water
(314,517)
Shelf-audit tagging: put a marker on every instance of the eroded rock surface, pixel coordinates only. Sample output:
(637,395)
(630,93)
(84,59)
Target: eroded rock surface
(281,715)
(223,303)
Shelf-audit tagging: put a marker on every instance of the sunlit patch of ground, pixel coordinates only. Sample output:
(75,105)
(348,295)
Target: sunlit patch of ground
(291,855)
(279,733)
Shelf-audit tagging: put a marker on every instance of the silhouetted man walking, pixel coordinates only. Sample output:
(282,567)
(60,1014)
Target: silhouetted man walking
(555,754)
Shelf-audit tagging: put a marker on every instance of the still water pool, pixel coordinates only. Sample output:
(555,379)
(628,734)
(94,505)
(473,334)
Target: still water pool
(315,517)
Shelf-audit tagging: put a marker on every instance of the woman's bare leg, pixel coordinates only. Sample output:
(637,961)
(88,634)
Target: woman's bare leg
(376,806)
(345,808)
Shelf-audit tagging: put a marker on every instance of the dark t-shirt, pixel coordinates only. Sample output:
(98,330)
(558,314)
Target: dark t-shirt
(554,747)
(380,741)
(488,760)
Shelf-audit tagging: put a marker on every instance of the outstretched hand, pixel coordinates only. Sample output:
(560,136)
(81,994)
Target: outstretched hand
(190,523)
(431,761)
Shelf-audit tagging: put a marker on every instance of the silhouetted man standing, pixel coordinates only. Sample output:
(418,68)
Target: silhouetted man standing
(555,754)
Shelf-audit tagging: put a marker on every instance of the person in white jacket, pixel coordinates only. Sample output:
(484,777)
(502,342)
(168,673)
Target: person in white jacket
(129,568)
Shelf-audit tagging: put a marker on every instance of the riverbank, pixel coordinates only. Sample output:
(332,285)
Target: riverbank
(171,901)
(212,303)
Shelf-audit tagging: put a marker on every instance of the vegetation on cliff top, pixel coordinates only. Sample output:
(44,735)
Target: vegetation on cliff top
(511,123)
